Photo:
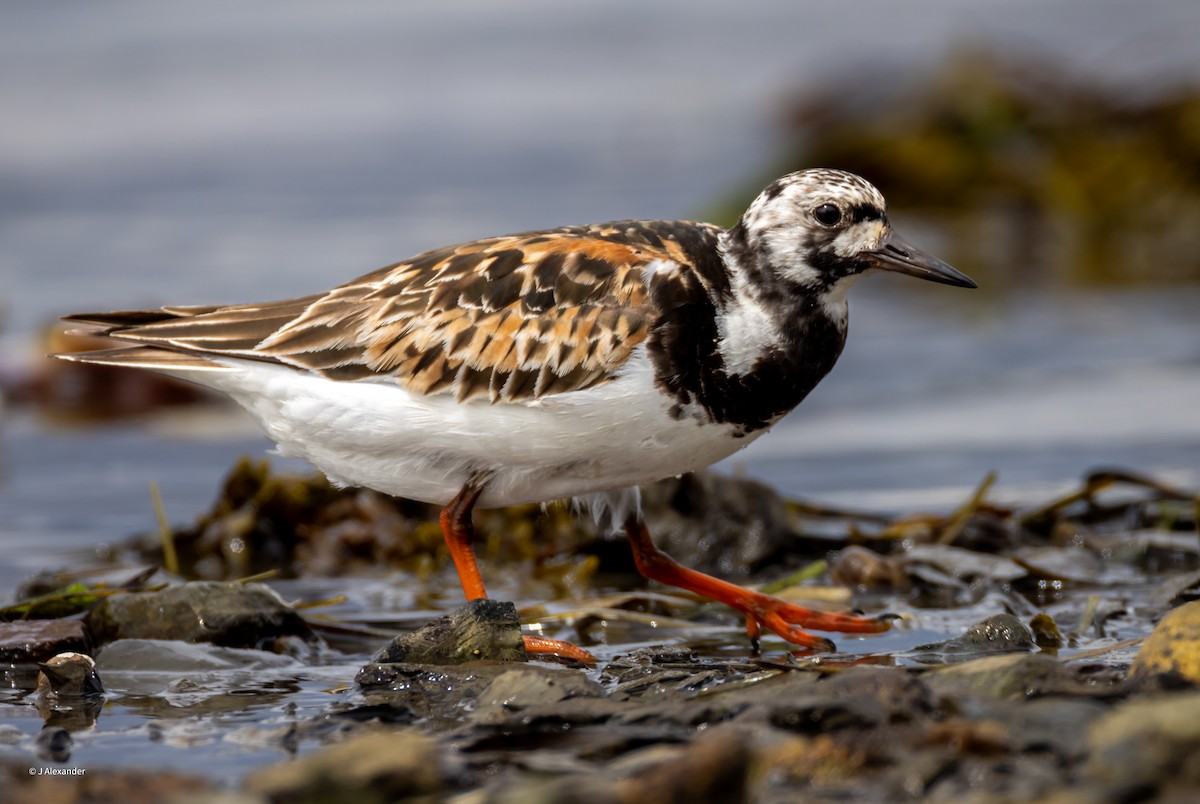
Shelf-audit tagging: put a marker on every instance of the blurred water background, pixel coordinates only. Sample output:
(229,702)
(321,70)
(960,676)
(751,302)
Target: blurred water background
(225,152)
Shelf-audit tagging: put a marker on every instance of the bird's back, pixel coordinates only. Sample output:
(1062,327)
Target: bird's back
(506,318)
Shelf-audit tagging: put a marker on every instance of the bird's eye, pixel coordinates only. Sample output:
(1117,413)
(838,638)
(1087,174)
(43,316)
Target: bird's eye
(827,215)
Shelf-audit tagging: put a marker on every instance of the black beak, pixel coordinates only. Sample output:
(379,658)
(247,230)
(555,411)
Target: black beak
(897,254)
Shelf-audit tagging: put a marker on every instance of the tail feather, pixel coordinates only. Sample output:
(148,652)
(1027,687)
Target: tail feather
(119,320)
(146,357)
(180,338)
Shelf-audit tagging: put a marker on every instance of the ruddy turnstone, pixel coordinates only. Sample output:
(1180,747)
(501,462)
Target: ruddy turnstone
(575,362)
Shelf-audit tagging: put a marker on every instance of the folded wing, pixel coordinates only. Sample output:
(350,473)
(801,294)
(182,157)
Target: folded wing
(505,319)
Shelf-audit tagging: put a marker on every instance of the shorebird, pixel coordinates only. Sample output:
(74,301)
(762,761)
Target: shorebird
(578,362)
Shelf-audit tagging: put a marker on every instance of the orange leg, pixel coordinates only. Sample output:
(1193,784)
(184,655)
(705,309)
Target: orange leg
(785,619)
(458,530)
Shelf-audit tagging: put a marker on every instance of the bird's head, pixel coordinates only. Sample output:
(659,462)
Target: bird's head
(818,230)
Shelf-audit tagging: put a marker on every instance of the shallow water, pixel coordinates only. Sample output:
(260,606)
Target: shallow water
(223,713)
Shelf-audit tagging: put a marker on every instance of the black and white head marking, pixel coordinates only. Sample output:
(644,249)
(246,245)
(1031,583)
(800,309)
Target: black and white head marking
(795,253)
(808,229)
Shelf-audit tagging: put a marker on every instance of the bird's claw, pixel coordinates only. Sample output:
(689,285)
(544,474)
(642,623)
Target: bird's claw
(789,619)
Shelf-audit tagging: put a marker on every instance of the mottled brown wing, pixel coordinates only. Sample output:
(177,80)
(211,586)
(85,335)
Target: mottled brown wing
(507,318)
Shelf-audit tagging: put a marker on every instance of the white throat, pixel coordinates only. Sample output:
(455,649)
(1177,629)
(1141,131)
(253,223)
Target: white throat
(834,301)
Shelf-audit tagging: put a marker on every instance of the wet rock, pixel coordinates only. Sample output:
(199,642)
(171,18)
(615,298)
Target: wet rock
(517,691)
(827,736)
(482,630)
(69,694)
(1045,631)
(228,614)
(446,693)
(1146,745)
(39,640)
(1002,633)
(69,675)
(646,679)
(867,569)
(378,766)
(1173,646)
(564,734)
(820,715)
(1013,676)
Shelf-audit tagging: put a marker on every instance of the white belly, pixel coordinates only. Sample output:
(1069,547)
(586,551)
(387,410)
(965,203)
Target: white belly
(379,436)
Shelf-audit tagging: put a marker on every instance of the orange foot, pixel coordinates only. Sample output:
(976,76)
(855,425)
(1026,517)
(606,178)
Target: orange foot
(784,619)
(762,611)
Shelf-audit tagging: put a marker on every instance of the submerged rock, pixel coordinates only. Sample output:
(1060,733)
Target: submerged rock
(1002,633)
(69,675)
(227,614)
(69,695)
